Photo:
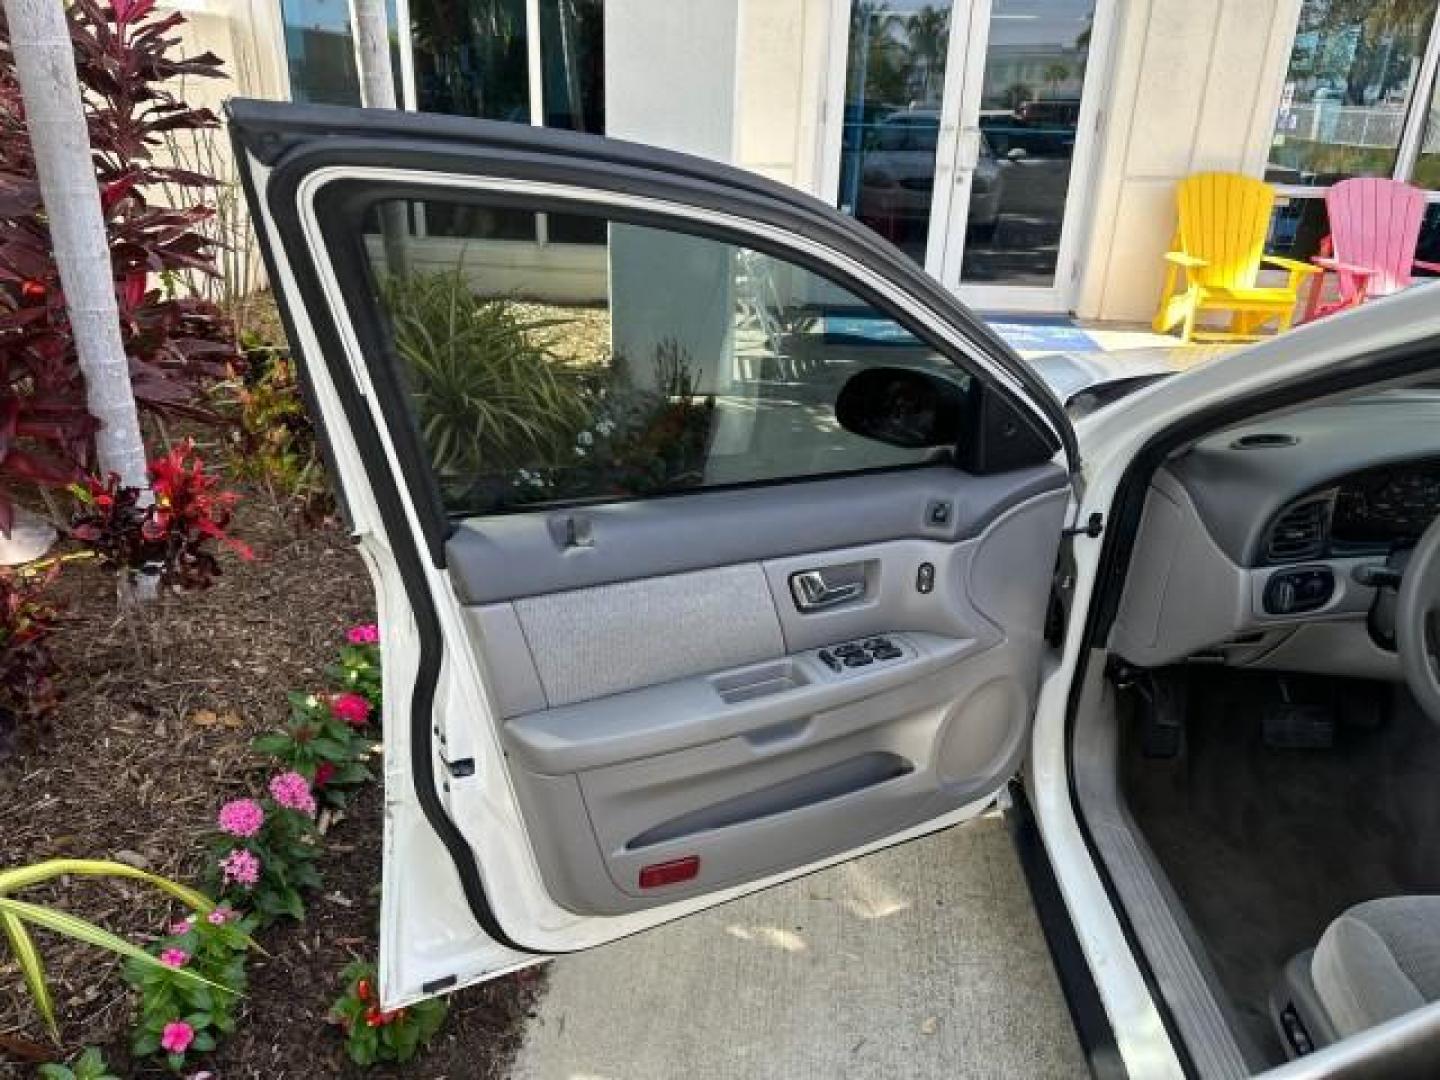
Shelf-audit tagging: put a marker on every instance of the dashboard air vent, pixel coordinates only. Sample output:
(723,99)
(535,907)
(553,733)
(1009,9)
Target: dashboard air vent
(1299,533)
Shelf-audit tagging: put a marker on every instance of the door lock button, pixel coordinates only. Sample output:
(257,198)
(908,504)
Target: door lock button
(925,578)
(939,512)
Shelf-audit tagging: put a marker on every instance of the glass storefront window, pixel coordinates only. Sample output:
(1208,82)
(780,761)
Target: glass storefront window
(320,50)
(895,77)
(470,58)
(572,63)
(1427,166)
(572,67)
(1353,100)
(1348,90)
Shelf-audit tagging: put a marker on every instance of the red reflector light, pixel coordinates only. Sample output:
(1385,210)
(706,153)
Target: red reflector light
(668,873)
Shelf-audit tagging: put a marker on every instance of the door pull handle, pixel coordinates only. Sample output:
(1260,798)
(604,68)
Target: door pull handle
(813,593)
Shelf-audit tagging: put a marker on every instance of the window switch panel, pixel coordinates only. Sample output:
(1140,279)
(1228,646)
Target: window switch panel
(850,657)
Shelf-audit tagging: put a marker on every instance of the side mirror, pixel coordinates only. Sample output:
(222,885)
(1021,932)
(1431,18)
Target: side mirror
(1016,153)
(903,407)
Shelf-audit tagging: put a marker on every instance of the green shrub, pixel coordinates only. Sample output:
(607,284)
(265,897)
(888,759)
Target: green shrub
(274,440)
(179,1015)
(17,916)
(90,1065)
(489,397)
(374,1035)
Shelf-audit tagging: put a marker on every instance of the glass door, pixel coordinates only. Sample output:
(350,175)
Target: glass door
(965,130)
(897,114)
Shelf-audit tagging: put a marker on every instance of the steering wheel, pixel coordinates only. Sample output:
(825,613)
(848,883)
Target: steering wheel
(1415,619)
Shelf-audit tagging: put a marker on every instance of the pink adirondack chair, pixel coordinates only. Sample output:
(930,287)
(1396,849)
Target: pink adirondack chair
(1374,230)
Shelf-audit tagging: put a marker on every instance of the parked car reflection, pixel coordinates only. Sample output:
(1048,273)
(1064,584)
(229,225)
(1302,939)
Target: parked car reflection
(897,180)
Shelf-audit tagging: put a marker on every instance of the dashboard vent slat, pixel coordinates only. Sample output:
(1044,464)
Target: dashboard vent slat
(1297,534)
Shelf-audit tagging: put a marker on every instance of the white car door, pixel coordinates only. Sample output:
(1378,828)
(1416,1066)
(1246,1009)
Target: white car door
(680,592)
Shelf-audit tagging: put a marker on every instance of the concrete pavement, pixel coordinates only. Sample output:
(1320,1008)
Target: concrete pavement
(924,960)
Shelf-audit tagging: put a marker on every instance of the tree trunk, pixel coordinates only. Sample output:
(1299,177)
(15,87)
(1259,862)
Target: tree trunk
(55,117)
(377,91)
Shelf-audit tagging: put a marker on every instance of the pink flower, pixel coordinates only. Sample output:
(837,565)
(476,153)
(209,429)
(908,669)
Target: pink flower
(220,916)
(241,867)
(292,791)
(177,1036)
(174,957)
(183,926)
(364,634)
(352,708)
(241,817)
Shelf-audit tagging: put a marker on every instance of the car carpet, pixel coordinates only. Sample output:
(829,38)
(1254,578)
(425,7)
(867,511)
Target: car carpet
(1266,846)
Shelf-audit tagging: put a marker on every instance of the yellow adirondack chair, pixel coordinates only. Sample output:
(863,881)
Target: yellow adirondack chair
(1219,248)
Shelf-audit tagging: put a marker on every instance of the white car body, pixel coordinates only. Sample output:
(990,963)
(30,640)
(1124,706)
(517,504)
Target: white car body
(431,941)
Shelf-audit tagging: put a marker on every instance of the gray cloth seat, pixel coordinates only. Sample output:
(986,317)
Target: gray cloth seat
(1378,960)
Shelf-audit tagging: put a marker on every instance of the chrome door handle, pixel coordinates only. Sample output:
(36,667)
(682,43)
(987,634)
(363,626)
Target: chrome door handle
(812,592)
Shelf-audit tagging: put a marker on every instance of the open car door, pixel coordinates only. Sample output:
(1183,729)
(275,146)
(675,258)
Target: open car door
(712,540)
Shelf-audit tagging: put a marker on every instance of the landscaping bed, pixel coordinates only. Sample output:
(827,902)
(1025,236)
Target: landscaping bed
(153,735)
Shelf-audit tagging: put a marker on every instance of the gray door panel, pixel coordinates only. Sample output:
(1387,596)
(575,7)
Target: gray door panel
(530,554)
(692,715)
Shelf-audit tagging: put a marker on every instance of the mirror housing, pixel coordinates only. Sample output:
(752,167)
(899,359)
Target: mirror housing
(903,407)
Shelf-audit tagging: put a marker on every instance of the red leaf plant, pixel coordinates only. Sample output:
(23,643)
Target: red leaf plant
(29,694)
(175,536)
(176,344)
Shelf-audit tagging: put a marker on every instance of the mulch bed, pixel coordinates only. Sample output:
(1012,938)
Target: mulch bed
(152,737)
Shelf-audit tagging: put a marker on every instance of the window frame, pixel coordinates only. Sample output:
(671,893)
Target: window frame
(339,205)
(1412,131)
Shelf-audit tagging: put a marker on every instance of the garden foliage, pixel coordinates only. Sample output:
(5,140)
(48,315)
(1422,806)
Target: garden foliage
(90,1065)
(176,343)
(179,1014)
(28,691)
(504,421)
(373,1035)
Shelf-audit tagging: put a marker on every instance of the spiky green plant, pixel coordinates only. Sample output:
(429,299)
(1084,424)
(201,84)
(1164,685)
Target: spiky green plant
(16,916)
(489,396)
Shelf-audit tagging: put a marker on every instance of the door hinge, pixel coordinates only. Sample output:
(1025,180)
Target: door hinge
(1093,527)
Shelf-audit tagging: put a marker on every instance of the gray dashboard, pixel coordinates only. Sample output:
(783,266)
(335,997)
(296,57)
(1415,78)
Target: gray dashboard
(1241,523)
(1243,478)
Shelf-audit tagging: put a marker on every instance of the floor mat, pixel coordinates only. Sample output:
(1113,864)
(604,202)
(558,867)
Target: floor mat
(1265,847)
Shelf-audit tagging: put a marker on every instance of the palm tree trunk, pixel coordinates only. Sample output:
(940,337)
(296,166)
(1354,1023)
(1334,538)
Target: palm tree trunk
(377,91)
(55,117)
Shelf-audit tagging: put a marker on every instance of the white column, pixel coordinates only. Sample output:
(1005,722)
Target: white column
(670,81)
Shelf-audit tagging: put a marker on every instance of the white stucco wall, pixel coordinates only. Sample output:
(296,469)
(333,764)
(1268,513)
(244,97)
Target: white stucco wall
(782,65)
(670,74)
(1193,87)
